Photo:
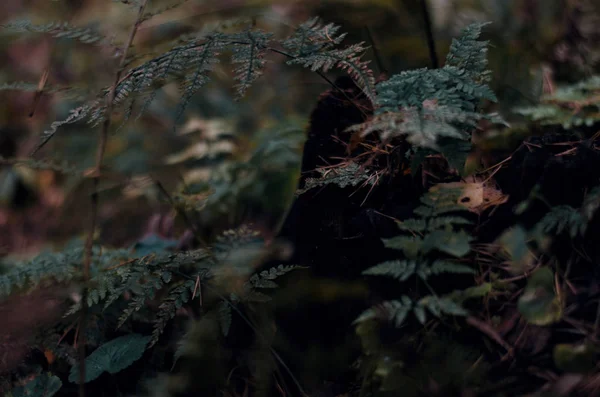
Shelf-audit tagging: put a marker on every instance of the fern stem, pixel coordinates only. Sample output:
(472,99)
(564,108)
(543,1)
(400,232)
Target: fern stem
(87,260)
(253,328)
(322,75)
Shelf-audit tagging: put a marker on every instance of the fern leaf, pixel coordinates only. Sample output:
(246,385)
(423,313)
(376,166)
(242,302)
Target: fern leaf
(347,59)
(439,306)
(75,115)
(394,311)
(251,58)
(572,105)
(176,298)
(564,218)
(266,277)
(59,30)
(469,53)
(398,269)
(311,37)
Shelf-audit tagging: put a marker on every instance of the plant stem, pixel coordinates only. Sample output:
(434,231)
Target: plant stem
(89,243)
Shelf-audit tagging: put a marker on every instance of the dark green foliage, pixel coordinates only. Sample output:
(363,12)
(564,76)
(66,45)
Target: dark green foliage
(42,385)
(436,109)
(195,58)
(112,357)
(59,30)
(56,266)
(312,46)
(564,218)
(438,232)
(212,309)
(570,106)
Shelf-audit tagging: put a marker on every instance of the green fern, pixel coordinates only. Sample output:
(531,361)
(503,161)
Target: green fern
(439,230)
(59,267)
(176,298)
(436,108)
(59,30)
(312,46)
(250,56)
(570,106)
(192,61)
(564,218)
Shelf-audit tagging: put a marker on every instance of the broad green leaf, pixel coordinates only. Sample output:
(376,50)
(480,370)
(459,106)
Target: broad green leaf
(112,357)
(448,241)
(43,385)
(539,304)
(578,358)
(514,242)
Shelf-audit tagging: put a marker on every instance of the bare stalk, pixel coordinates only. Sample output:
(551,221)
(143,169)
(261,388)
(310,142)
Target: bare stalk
(89,243)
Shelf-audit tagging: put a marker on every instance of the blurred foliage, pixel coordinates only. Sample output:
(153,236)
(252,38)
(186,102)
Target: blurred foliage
(183,293)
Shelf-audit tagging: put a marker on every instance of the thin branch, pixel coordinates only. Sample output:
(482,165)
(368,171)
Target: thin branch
(429,32)
(181,213)
(327,79)
(376,53)
(89,243)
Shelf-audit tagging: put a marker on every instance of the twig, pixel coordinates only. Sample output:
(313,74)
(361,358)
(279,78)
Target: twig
(181,213)
(487,329)
(327,79)
(376,54)
(429,32)
(87,260)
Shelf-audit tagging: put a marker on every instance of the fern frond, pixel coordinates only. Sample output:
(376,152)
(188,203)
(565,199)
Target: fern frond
(563,218)
(438,306)
(350,174)
(436,109)
(468,53)
(176,298)
(59,30)
(423,127)
(312,46)
(398,269)
(55,266)
(574,105)
(394,311)
(447,87)
(249,52)
(203,62)
(311,37)
(78,114)
(348,59)
(265,278)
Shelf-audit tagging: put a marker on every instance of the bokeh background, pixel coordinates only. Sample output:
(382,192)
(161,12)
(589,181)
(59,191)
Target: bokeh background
(536,45)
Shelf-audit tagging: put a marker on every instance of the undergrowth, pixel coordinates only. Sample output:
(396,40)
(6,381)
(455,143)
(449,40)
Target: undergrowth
(446,300)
